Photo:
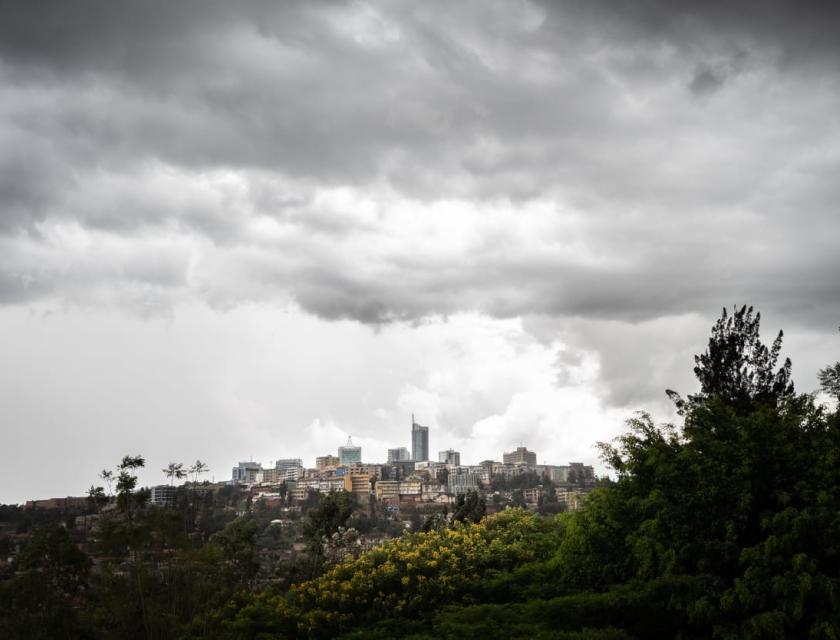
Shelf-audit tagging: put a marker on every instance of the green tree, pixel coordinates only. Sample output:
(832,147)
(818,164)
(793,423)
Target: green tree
(237,542)
(127,482)
(52,552)
(324,520)
(469,507)
(830,380)
(108,477)
(41,602)
(738,368)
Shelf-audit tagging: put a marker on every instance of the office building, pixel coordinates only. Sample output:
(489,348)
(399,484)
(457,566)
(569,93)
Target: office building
(419,441)
(246,473)
(288,463)
(349,454)
(450,456)
(521,456)
(398,455)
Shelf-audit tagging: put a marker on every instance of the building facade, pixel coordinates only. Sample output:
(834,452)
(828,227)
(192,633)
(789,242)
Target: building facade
(450,456)
(461,480)
(358,484)
(326,462)
(521,456)
(288,463)
(400,454)
(163,495)
(246,473)
(419,442)
(349,454)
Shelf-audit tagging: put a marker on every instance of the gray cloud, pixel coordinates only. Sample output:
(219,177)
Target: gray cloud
(157,150)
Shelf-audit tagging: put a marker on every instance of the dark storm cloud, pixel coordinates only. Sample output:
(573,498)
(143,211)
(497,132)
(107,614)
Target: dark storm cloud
(687,150)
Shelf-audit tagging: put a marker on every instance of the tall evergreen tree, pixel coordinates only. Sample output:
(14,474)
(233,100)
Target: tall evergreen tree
(738,368)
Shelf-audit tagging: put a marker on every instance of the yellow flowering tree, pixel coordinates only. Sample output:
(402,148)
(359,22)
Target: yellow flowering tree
(403,578)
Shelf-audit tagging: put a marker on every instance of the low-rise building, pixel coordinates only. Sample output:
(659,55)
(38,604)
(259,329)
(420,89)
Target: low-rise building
(431,491)
(461,480)
(357,483)
(572,498)
(572,473)
(431,469)
(298,494)
(387,489)
(507,470)
(532,495)
(69,502)
(326,462)
(162,495)
(481,472)
(411,487)
(370,470)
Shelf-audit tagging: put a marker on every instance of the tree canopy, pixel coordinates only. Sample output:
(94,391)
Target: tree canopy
(738,368)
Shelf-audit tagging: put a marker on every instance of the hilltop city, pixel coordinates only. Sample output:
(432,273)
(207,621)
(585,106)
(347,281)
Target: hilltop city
(412,478)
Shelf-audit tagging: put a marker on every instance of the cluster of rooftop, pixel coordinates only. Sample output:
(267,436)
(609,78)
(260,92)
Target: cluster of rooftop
(411,476)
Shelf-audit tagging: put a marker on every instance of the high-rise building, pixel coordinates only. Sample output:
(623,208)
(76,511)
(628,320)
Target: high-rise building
(521,456)
(349,454)
(419,441)
(450,456)
(398,455)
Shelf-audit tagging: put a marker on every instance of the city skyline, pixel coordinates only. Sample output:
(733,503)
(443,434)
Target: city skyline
(228,229)
(452,456)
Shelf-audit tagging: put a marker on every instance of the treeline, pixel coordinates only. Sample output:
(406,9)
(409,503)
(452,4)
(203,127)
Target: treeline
(725,526)
(125,569)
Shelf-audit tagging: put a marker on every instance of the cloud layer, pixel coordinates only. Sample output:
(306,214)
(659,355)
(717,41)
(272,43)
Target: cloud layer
(607,174)
(379,162)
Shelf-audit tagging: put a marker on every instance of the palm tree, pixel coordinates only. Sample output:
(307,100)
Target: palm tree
(127,481)
(108,476)
(175,471)
(199,468)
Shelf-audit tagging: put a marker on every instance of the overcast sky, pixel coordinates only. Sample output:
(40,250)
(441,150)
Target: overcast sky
(251,229)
